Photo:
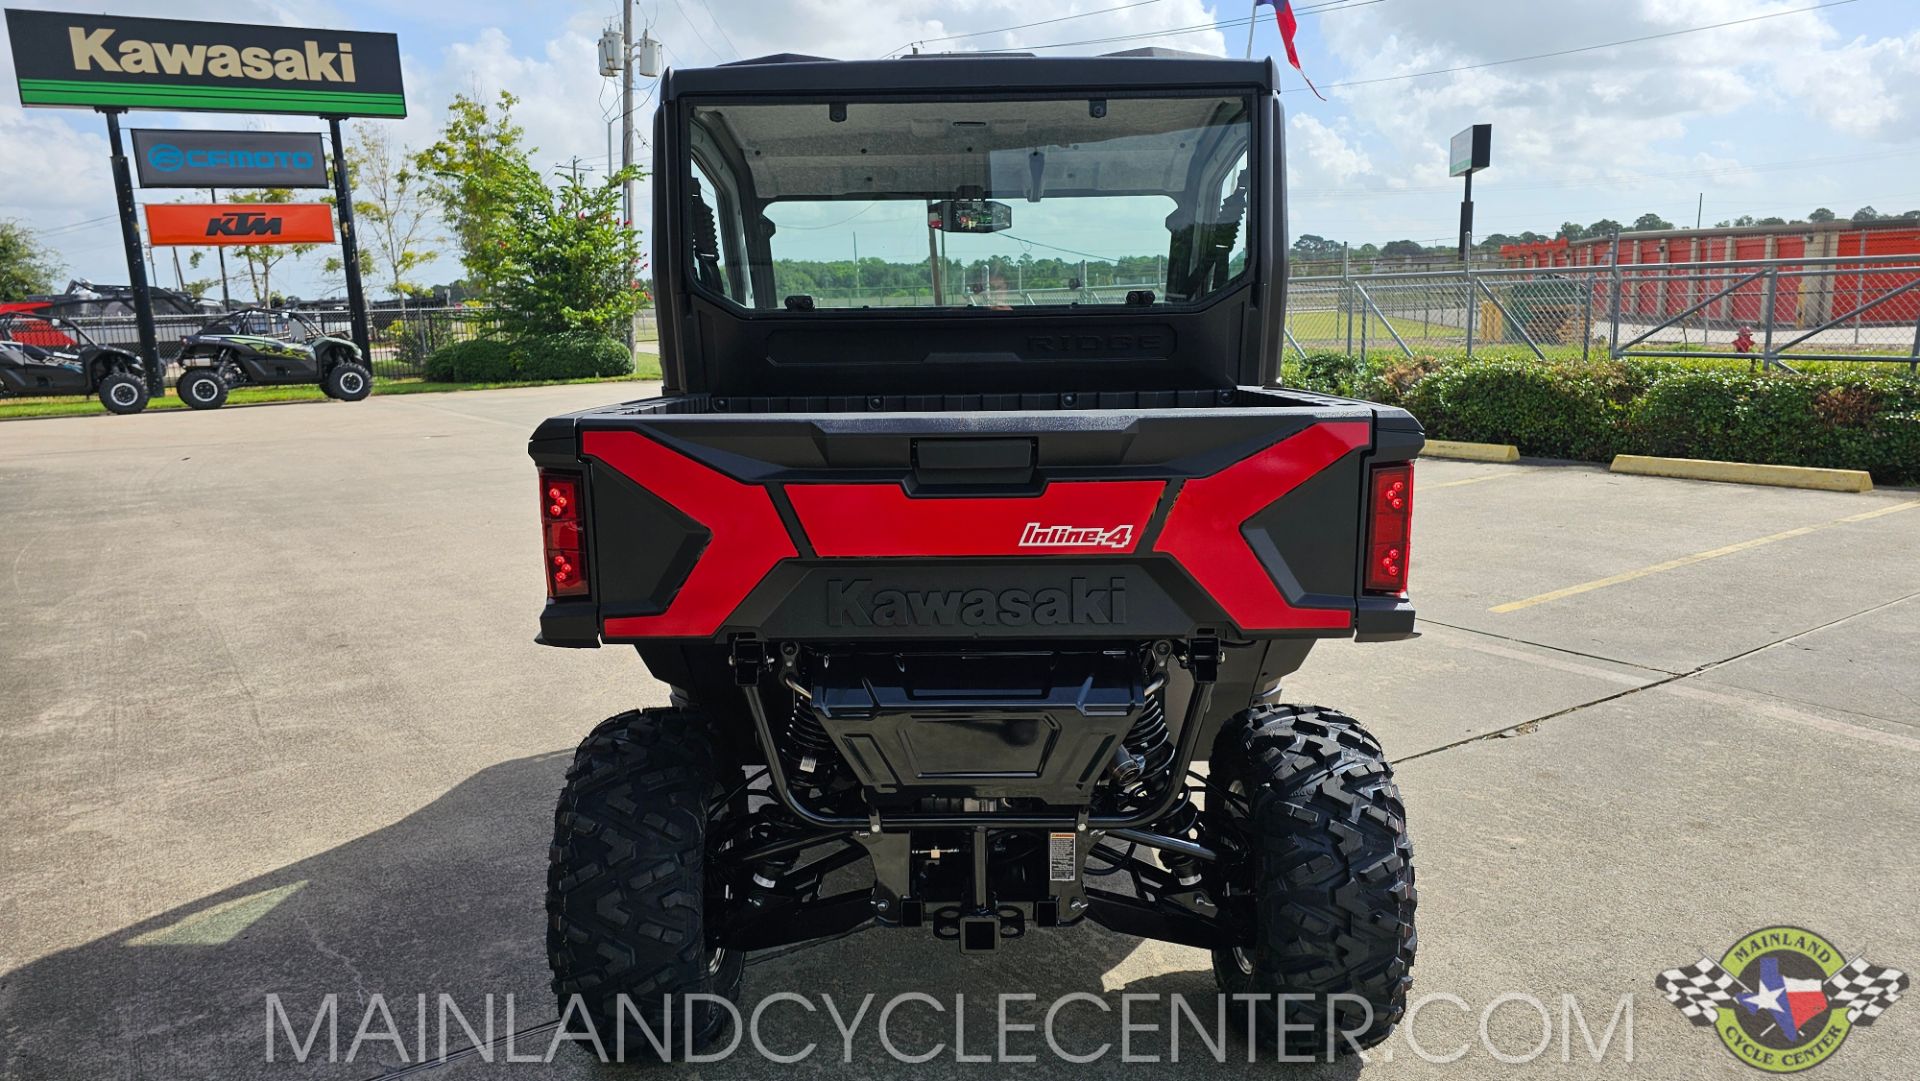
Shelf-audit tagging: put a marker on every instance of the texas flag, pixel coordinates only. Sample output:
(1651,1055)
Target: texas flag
(1792,1002)
(1289,26)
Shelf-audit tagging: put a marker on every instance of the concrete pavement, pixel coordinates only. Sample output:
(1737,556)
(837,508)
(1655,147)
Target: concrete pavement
(274,725)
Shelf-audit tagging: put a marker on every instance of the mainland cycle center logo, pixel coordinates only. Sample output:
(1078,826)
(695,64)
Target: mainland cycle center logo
(1783,999)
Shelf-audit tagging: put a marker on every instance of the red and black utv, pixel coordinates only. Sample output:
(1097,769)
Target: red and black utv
(975,563)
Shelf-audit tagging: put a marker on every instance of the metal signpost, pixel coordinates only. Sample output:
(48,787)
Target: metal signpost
(112,63)
(1469,153)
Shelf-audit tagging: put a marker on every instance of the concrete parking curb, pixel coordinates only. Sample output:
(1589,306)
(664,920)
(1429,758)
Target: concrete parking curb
(1779,476)
(1472,452)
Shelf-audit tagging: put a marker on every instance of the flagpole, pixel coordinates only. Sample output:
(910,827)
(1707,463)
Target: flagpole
(1253,17)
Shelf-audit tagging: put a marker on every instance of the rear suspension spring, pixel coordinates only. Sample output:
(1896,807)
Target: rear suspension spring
(807,748)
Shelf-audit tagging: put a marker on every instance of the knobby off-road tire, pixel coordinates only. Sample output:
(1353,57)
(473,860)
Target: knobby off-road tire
(348,381)
(626,882)
(123,393)
(1330,871)
(202,388)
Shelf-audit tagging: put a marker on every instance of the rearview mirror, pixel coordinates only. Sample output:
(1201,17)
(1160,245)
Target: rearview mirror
(969,216)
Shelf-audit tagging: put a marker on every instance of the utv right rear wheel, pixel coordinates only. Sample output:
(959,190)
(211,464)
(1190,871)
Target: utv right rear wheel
(626,885)
(1308,796)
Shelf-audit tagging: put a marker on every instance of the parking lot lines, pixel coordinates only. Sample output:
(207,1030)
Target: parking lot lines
(1698,557)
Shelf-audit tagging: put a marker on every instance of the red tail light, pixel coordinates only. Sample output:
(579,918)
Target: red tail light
(566,560)
(1389,528)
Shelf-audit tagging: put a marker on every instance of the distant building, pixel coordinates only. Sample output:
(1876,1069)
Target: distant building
(1803,299)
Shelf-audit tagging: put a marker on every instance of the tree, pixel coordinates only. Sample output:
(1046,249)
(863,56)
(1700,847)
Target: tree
(1866,213)
(1650,222)
(389,208)
(1604,227)
(1572,230)
(1307,246)
(1403,248)
(25,266)
(1821,214)
(474,173)
(1770,221)
(569,261)
(260,259)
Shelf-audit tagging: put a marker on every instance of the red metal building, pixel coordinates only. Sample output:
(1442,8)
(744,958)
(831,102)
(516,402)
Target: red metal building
(1810,299)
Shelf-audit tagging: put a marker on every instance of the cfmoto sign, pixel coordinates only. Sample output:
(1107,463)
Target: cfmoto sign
(229,159)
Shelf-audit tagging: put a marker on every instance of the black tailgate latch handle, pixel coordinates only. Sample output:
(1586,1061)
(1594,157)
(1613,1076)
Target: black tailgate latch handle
(974,463)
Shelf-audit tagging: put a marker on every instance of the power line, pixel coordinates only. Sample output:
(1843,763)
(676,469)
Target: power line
(688,19)
(1316,9)
(1584,48)
(723,30)
(1614,179)
(1025,26)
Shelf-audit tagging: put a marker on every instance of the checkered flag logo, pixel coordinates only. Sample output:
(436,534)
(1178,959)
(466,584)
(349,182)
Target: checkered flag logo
(1864,990)
(1700,990)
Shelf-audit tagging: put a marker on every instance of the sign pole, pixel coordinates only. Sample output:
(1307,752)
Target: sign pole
(136,263)
(226,297)
(1466,219)
(350,246)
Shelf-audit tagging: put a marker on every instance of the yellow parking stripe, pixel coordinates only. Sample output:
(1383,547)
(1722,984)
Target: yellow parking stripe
(1698,557)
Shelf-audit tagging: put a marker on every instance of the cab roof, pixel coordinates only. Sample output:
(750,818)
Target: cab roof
(968,73)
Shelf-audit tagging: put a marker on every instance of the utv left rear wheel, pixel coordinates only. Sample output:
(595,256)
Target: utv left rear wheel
(348,382)
(627,883)
(1328,876)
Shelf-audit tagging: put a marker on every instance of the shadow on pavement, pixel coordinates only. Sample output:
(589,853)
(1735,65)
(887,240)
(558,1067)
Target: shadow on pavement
(447,902)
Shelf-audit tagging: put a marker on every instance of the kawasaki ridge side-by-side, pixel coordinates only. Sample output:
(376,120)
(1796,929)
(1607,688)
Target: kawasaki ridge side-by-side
(265,347)
(45,355)
(975,586)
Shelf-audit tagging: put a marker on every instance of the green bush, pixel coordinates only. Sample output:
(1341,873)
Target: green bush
(576,355)
(1832,417)
(482,360)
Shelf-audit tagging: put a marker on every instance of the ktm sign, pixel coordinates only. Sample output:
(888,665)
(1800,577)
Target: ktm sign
(197,225)
(66,58)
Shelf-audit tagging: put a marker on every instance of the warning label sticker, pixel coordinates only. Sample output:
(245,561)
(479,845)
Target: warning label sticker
(1062,866)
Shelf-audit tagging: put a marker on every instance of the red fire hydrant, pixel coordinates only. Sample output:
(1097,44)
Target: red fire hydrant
(1743,341)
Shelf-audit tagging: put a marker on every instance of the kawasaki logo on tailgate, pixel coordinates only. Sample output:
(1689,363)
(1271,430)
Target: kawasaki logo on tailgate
(855,603)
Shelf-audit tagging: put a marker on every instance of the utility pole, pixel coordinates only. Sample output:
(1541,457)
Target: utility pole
(626,108)
(1698,208)
(617,51)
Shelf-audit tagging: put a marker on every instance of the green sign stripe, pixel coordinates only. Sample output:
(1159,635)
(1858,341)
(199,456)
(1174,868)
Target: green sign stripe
(237,100)
(317,105)
(209,91)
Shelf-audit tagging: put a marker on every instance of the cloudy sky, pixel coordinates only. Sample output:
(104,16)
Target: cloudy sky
(1767,117)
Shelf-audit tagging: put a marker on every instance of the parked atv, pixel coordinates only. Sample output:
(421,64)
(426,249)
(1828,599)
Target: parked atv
(44,356)
(267,347)
(955,597)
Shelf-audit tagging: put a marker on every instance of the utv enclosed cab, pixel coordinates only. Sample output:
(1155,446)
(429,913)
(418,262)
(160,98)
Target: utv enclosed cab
(961,557)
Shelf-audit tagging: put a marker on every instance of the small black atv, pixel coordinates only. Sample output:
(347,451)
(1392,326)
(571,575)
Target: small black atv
(45,356)
(267,347)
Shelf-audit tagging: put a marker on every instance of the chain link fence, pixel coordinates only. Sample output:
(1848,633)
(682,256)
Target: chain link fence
(1768,312)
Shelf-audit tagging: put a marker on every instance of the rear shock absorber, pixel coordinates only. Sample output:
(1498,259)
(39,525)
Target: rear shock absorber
(807,749)
(1149,742)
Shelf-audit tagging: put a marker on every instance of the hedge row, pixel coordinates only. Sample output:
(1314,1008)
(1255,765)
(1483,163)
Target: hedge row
(1592,411)
(558,356)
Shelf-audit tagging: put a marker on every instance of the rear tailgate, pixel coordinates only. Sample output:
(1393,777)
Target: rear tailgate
(1126,515)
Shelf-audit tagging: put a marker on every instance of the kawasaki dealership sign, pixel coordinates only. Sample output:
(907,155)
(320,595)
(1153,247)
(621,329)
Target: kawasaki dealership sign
(133,63)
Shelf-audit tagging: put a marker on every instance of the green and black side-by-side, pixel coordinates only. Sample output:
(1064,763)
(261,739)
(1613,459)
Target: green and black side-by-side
(267,347)
(975,593)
